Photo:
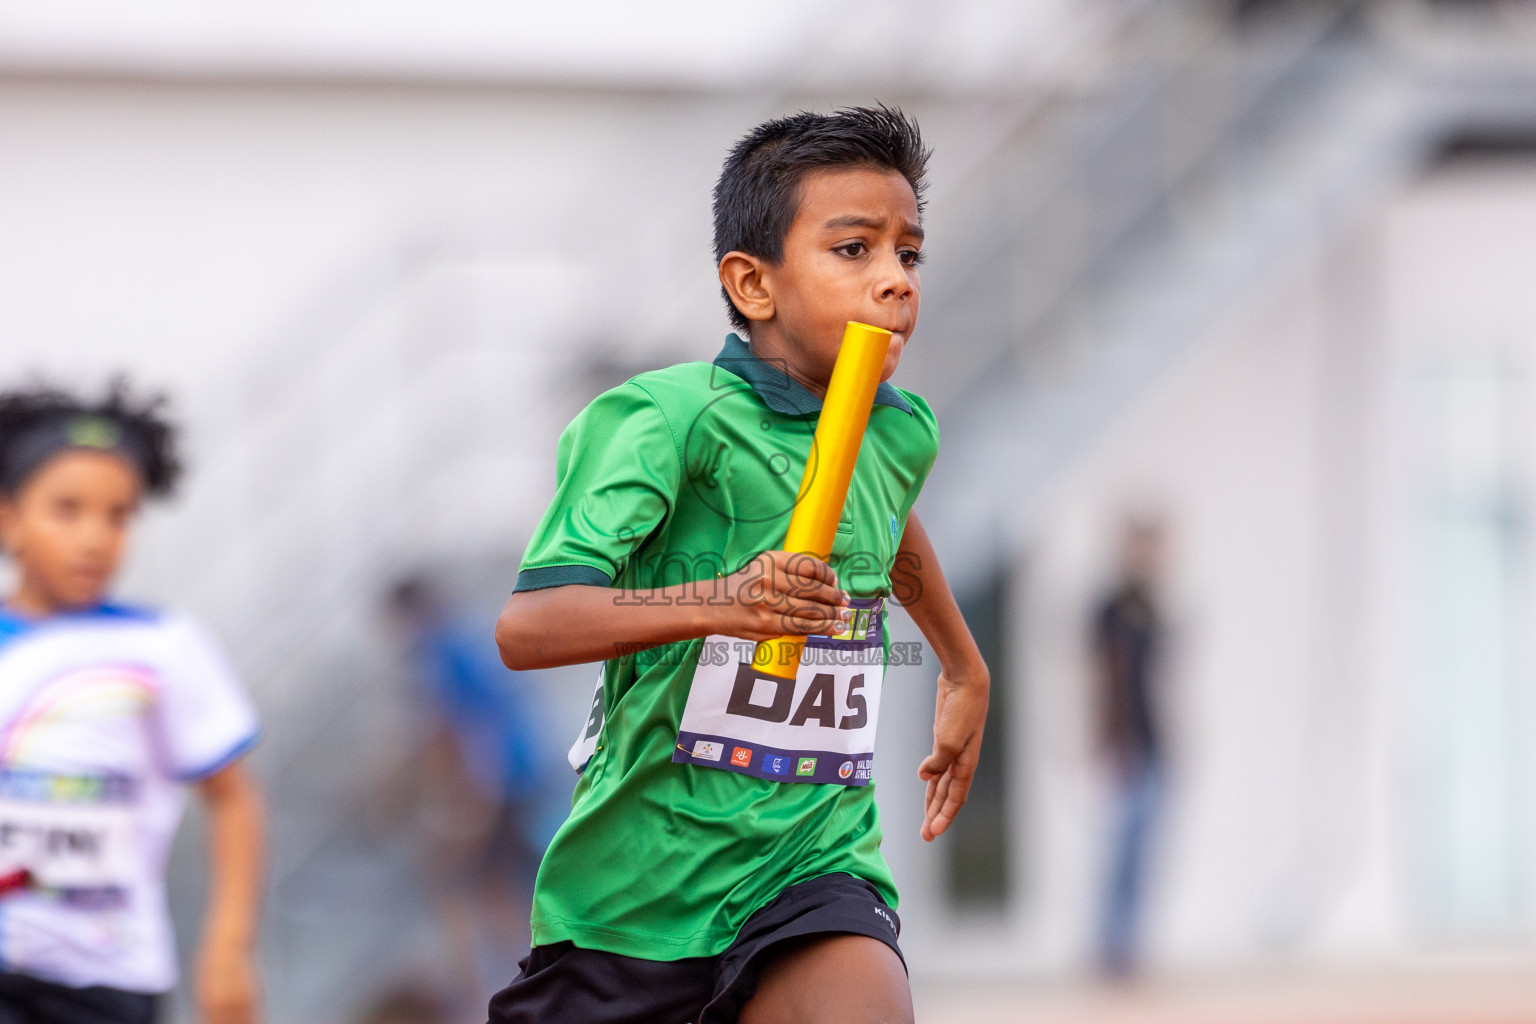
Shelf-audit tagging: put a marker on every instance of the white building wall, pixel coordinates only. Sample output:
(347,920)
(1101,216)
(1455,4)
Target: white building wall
(1227,449)
(1332,796)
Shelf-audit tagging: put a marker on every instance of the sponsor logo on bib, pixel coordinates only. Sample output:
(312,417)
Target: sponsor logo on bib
(741,757)
(807,766)
(776,764)
(709,750)
(845,770)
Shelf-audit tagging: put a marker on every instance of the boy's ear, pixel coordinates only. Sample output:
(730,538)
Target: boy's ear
(741,275)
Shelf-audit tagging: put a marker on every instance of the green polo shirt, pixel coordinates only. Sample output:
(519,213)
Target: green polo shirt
(685,474)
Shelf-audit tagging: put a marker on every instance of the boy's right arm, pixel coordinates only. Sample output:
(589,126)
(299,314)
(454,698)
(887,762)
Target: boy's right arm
(776,594)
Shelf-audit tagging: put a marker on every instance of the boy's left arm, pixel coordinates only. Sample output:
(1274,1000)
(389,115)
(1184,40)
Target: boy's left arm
(227,989)
(964,683)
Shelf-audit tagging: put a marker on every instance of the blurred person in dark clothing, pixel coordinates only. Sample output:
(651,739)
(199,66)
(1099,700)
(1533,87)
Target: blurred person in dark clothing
(480,784)
(1128,641)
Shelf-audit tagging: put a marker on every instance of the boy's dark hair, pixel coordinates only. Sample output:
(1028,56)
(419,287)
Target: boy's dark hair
(758,193)
(136,427)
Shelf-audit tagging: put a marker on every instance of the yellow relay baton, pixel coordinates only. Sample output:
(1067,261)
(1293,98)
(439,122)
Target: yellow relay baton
(828,470)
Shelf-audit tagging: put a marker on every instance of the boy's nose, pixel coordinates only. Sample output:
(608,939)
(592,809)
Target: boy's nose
(894,282)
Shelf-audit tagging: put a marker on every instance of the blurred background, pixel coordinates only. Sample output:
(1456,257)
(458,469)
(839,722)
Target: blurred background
(1230,323)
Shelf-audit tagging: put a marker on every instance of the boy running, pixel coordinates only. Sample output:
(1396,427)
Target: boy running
(107,712)
(722,856)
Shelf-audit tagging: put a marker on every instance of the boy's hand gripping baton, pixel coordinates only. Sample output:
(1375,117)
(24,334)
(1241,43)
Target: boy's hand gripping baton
(828,470)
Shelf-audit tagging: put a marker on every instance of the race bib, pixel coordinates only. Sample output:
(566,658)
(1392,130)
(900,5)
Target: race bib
(69,846)
(817,727)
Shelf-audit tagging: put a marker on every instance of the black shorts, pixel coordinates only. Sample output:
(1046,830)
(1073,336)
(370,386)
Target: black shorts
(565,984)
(28,1000)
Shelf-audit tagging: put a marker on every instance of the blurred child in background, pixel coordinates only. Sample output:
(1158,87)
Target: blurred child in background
(483,786)
(107,713)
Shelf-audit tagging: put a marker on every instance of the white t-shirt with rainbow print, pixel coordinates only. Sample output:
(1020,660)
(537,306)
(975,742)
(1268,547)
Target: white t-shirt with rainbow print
(104,717)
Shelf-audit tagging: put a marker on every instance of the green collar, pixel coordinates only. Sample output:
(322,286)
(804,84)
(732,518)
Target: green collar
(781,392)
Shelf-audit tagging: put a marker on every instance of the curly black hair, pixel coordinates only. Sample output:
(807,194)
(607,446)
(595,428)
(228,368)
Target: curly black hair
(23,410)
(758,192)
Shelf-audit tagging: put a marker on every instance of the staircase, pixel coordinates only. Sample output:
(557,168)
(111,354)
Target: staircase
(1216,157)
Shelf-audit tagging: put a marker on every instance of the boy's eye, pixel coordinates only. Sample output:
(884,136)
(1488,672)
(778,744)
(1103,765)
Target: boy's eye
(852,249)
(913,257)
